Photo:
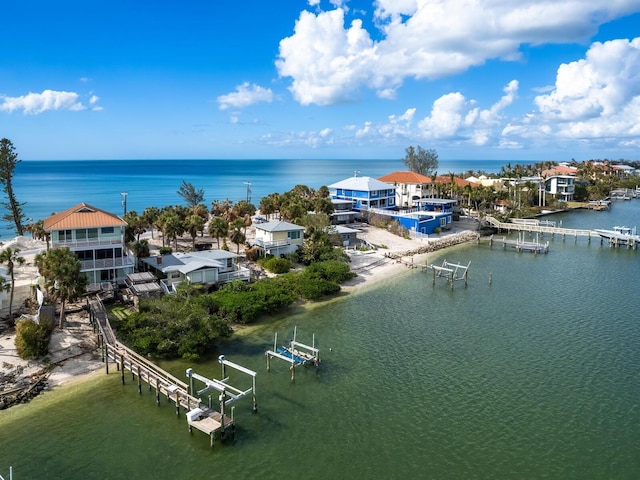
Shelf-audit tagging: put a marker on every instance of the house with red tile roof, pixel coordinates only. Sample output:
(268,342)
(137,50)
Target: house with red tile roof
(96,237)
(410,187)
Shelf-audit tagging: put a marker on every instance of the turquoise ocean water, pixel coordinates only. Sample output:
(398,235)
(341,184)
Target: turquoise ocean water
(536,375)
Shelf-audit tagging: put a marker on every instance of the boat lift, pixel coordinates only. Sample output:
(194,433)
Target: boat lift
(295,354)
(222,386)
(451,271)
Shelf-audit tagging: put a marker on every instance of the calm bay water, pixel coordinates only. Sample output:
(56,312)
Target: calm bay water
(533,376)
(52,186)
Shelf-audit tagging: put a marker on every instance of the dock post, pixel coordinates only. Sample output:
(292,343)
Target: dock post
(157,391)
(178,403)
(434,277)
(293,372)
(253,392)
(189,373)
(465,278)
(105,357)
(139,381)
(268,362)
(122,368)
(490,278)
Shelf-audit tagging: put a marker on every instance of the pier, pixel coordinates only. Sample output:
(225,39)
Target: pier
(535,226)
(199,415)
(520,245)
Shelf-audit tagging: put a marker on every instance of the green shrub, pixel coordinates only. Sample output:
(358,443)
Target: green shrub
(32,340)
(166,250)
(277,265)
(332,270)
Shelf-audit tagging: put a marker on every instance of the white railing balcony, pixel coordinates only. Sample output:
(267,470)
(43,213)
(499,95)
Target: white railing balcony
(93,242)
(242,273)
(273,243)
(105,263)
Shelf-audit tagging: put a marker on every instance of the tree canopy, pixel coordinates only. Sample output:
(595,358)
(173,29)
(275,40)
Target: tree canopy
(190,194)
(419,160)
(8,162)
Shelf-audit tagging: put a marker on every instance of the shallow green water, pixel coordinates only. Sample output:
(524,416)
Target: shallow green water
(533,376)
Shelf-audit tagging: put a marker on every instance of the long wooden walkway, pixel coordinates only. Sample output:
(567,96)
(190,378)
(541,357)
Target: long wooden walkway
(537,228)
(209,421)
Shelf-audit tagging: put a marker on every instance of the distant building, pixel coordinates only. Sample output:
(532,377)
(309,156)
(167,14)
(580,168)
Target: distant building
(96,237)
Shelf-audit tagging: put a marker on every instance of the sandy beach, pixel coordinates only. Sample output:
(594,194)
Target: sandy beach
(73,350)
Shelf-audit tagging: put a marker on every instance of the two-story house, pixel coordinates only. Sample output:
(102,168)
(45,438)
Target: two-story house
(410,187)
(96,237)
(279,237)
(364,193)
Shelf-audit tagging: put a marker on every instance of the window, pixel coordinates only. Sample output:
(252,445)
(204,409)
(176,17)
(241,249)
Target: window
(295,235)
(443,221)
(107,230)
(64,235)
(92,233)
(81,234)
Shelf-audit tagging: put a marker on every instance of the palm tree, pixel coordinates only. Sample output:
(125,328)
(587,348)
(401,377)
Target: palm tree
(194,224)
(236,235)
(63,280)
(218,228)
(11,258)
(150,217)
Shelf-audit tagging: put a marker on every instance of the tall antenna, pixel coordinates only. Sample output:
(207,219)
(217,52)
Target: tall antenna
(248,184)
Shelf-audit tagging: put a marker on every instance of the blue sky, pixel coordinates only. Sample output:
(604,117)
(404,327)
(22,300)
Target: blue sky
(473,79)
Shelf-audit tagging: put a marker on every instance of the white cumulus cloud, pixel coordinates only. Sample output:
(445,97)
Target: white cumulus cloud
(244,96)
(330,58)
(36,103)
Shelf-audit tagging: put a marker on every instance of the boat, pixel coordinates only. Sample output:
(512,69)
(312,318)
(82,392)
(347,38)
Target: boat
(620,234)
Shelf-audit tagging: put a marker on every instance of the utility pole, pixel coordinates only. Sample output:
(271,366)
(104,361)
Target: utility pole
(124,204)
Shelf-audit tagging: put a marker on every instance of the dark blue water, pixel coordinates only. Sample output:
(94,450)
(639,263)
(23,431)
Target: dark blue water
(52,186)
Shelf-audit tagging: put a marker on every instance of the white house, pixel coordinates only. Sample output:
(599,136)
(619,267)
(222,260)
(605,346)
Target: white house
(207,267)
(279,237)
(96,237)
(561,186)
(410,187)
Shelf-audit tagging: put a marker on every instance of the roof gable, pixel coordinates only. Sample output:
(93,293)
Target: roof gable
(278,226)
(405,177)
(82,216)
(362,184)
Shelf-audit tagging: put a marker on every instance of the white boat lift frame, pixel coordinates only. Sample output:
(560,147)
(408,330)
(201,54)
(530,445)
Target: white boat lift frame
(451,271)
(307,353)
(223,387)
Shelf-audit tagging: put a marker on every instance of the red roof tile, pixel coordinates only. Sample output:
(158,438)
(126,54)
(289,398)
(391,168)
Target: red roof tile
(405,177)
(82,216)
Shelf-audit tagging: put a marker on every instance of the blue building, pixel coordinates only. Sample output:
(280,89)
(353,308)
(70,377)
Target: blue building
(364,193)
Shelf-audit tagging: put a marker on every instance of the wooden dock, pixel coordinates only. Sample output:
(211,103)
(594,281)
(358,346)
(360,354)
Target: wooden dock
(520,245)
(533,226)
(199,415)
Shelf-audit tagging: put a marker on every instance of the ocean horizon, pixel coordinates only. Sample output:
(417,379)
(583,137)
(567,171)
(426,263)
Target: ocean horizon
(50,186)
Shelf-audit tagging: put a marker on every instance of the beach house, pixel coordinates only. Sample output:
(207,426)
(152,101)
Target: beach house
(410,187)
(207,267)
(364,193)
(96,237)
(278,237)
